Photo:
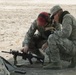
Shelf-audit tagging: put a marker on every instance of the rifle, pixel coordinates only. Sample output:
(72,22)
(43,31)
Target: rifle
(24,56)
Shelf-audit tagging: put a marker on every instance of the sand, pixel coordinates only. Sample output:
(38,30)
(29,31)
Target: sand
(15,19)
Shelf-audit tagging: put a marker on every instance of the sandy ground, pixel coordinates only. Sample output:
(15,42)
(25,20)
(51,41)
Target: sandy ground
(15,18)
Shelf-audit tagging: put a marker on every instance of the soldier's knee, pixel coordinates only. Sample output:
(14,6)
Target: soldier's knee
(52,37)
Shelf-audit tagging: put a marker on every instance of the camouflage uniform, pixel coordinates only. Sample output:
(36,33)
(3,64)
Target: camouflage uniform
(35,41)
(64,41)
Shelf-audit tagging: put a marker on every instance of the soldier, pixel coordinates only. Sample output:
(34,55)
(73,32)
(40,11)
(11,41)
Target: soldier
(62,41)
(32,42)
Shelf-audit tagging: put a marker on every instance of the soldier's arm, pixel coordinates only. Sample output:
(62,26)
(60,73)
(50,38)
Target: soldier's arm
(30,33)
(66,27)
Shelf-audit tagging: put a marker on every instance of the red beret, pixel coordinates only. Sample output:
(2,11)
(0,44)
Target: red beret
(43,18)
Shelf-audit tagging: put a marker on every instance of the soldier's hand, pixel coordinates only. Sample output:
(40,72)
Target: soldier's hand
(44,46)
(25,49)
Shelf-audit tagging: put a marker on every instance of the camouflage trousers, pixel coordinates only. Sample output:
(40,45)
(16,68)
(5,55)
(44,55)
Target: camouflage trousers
(36,43)
(58,47)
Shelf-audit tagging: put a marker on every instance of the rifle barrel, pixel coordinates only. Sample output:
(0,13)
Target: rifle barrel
(5,52)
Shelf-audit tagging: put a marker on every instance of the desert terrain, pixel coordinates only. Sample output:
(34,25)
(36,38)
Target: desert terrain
(16,17)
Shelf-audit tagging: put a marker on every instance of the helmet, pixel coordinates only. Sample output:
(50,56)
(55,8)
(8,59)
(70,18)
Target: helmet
(55,9)
(43,18)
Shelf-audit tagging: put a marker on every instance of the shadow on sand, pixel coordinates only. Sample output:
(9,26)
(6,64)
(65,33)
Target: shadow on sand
(36,69)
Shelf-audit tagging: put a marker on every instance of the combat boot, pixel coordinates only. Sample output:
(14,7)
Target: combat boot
(73,62)
(54,65)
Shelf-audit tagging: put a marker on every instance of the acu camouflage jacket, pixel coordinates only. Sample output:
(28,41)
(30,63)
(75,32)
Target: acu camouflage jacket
(43,32)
